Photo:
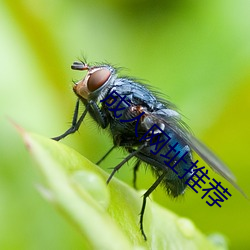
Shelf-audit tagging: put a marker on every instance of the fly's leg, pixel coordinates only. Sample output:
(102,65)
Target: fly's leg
(124,161)
(145,196)
(75,124)
(105,155)
(91,107)
(135,169)
(97,114)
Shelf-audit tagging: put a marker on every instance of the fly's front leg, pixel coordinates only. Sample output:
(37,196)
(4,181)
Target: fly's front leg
(75,123)
(97,114)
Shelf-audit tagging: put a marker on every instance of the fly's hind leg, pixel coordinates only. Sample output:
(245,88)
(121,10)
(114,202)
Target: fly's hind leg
(145,196)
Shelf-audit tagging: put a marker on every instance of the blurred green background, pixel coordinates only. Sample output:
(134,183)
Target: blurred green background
(195,52)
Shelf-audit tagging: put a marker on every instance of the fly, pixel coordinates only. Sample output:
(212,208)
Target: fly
(141,123)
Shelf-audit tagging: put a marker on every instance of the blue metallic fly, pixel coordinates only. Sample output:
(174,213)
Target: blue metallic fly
(142,123)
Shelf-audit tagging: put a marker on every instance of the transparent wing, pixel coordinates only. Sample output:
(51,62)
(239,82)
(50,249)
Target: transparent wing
(175,124)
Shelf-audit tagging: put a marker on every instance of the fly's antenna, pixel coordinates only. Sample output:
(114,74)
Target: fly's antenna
(80,66)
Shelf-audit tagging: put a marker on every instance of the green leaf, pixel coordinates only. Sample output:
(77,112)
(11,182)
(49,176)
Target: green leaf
(107,215)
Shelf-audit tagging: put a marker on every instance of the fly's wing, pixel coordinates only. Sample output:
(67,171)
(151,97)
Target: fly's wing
(174,123)
(213,161)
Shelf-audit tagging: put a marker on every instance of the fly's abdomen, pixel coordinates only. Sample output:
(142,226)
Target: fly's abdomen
(166,154)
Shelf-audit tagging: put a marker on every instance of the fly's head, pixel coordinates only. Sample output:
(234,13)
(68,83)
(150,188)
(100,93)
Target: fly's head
(95,80)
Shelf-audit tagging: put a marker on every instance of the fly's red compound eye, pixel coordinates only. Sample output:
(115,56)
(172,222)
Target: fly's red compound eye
(97,79)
